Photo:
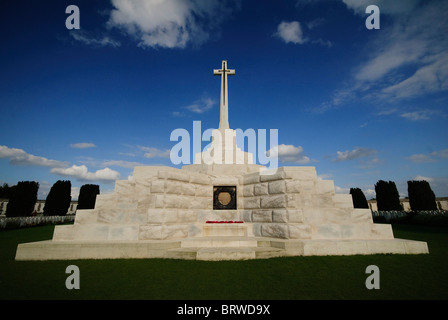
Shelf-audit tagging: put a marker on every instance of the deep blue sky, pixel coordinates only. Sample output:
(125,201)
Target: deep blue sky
(360,105)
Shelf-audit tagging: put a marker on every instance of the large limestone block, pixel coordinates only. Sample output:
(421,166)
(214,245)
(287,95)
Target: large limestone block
(382,231)
(125,188)
(287,215)
(248,190)
(226,180)
(86,216)
(173,187)
(201,203)
(251,203)
(293,186)
(261,189)
(188,189)
(163,216)
(343,200)
(203,191)
(322,200)
(274,201)
(361,216)
(82,232)
(174,174)
(262,216)
(162,232)
(126,232)
(299,231)
(276,187)
(112,216)
(271,175)
(275,230)
(198,178)
(250,178)
(142,187)
(300,173)
(158,186)
(104,201)
(147,172)
(325,186)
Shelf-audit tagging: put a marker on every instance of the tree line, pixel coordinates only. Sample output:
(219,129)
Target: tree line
(421,196)
(23,196)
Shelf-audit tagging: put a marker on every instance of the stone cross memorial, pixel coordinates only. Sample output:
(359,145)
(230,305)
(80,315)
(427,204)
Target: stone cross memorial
(224,110)
(220,210)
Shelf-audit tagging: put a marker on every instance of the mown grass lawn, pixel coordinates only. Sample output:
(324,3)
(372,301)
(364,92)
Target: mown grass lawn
(335,277)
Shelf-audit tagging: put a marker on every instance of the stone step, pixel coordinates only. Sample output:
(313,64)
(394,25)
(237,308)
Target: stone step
(224,230)
(225,253)
(219,242)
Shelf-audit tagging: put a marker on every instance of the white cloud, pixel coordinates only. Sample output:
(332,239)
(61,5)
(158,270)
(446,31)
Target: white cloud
(151,152)
(429,157)
(101,41)
(408,61)
(354,154)
(20,157)
(417,115)
(122,163)
(289,153)
(386,6)
(419,178)
(200,106)
(290,32)
(169,23)
(83,145)
(82,173)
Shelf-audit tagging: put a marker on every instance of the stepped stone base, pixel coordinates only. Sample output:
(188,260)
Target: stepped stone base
(165,212)
(213,248)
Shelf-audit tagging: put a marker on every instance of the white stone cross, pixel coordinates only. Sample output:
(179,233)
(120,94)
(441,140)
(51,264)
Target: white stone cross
(224,110)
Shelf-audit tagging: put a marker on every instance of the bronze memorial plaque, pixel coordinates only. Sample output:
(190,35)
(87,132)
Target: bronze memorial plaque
(224,198)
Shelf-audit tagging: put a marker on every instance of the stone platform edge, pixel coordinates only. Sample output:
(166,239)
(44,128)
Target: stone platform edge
(173,249)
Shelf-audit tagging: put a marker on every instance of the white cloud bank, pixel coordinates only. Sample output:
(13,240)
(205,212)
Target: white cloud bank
(83,145)
(82,173)
(289,153)
(20,157)
(354,154)
(61,168)
(408,60)
(169,23)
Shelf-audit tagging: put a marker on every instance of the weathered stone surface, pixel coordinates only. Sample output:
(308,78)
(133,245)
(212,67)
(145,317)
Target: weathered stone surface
(274,201)
(325,186)
(173,187)
(299,231)
(343,200)
(261,189)
(251,203)
(200,178)
(276,187)
(293,186)
(188,189)
(271,176)
(86,216)
(248,191)
(251,178)
(275,230)
(287,215)
(262,216)
(158,186)
(126,232)
(203,191)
